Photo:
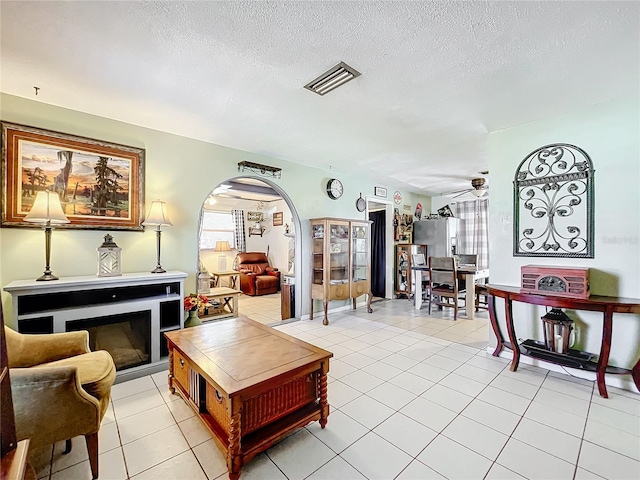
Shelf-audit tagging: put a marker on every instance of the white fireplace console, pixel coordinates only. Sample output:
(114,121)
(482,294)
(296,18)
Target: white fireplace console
(138,306)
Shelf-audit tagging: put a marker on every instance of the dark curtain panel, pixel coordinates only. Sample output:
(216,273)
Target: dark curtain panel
(378,247)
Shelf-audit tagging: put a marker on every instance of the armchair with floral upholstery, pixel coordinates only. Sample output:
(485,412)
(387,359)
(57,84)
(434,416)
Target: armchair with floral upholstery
(60,388)
(256,276)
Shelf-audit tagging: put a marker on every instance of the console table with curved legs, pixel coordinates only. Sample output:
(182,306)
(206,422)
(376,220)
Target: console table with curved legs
(607,305)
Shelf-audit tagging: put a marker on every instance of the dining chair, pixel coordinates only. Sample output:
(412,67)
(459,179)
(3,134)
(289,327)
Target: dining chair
(443,284)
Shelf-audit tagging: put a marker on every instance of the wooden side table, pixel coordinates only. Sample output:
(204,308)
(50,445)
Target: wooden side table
(228,299)
(232,275)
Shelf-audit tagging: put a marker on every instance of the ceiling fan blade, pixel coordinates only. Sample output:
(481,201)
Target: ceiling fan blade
(462,192)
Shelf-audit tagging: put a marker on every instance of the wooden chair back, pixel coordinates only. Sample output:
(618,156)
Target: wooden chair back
(443,283)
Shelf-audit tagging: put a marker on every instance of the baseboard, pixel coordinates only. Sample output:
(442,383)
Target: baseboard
(611,380)
(317,314)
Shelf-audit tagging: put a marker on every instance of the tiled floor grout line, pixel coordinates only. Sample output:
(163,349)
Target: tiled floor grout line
(584,430)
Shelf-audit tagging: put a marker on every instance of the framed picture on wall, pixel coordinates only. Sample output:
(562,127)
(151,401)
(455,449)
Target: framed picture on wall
(100,184)
(277,219)
(380,192)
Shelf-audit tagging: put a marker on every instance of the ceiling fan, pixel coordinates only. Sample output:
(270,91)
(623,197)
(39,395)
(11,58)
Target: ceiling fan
(478,188)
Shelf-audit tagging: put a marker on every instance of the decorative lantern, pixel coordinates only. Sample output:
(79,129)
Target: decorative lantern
(557,329)
(109,253)
(204,280)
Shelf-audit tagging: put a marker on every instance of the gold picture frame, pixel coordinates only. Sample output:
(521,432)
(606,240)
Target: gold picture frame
(100,184)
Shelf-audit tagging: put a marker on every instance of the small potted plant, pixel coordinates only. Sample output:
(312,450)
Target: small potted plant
(194,304)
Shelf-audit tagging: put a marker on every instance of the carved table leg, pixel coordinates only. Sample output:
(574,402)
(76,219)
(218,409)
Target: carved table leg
(322,387)
(635,374)
(172,388)
(605,348)
(491,301)
(234,459)
(515,347)
(325,321)
(369,309)
(311,310)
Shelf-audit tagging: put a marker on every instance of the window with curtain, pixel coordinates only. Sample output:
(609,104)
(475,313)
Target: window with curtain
(473,237)
(217,227)
(239,232)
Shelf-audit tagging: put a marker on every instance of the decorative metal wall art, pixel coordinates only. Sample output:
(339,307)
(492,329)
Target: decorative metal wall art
(553,192)
(265,170)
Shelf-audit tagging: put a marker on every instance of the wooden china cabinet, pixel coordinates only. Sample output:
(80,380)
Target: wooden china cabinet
(340,261)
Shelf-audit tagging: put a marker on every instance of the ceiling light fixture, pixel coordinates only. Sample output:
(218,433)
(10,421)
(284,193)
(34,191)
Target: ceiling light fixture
(332,79)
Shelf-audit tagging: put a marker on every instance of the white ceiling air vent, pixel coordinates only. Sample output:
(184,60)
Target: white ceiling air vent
(332,79)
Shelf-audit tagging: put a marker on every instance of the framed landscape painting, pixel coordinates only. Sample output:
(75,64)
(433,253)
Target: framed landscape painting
(100,184)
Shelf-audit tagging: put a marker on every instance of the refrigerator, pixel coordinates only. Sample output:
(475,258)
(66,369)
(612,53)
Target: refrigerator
(440,235)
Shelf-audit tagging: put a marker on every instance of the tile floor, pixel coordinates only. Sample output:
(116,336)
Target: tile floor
(263,308)
(412,397)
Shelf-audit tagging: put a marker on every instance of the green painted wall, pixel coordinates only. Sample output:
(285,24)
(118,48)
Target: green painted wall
(610,134)
(180,171)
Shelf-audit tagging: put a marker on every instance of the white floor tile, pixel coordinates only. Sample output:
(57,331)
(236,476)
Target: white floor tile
(338,368)
(444,363)
(582,474)
(607,464)
(376,458)
(517,387)
(463,384)
(336,468)
(405,433)
(429,414)
(361,381)
(136,403)
(555,418)
(194,431)
(481,439)
(340,432)
(382,370)
(179,467)
(454,461)
(340,394)
(456,354)
(533,463)
(417,470)
(141,424)
(391,395)
(619,402)
(476,373)
(400,361)
(131,387)
(110,467)
(153,449)
(301,445)
(615,418)
(447,397)
(498,472)
(548,439)
(412,383)
(612,438)
(367,411)
(357,360)
(260,468)
(526,373)
(108,438)
(567,403)
(211,459)
(578,390)
(77,454)
(486,363)
(492,416)
(429,372)
(180,410)
(161,379)
(506,400)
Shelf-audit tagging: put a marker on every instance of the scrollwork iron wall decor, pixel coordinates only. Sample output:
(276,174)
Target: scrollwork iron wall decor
(553,194)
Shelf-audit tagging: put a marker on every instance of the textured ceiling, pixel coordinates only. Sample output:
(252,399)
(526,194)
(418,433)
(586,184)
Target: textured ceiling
(436,76)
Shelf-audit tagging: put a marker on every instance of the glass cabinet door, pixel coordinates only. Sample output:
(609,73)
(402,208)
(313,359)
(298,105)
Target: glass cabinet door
(338,253)
(359,252)
(318,253)
(403,272)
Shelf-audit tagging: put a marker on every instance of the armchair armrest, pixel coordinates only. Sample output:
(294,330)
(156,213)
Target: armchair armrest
(271,269)
(28,350)
(50,404)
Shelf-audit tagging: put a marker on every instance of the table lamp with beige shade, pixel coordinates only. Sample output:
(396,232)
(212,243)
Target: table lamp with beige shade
(221,248)
(158,217)
(47,211)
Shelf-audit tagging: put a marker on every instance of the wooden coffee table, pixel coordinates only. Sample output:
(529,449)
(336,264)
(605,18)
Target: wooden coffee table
(250,385)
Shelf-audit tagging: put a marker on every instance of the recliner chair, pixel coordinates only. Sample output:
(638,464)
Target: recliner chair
(256,276)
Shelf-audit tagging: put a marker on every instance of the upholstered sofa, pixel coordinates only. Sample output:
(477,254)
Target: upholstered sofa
(256,276)
(60,388)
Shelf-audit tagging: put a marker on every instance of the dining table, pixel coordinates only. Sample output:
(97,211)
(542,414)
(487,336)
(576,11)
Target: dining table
(470,273)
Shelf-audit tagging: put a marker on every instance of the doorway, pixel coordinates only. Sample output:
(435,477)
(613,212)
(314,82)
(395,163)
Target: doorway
(251,214)
(380,211)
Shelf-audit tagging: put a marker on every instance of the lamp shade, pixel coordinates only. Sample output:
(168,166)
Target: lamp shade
(479,192)
(223,246)
(47,209)
(158,215)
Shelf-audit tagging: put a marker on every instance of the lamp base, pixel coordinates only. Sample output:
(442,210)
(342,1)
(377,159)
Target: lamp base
(158,269)
(47,276)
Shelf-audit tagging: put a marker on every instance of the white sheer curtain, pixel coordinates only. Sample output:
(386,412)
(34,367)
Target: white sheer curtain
(238,220)
(474,231)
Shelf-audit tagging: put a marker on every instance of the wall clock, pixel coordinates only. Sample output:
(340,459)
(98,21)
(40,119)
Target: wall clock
(360,204)
(397,198)
(334,188)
